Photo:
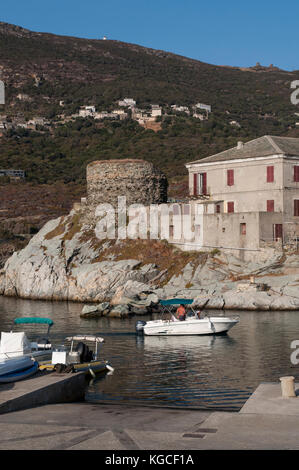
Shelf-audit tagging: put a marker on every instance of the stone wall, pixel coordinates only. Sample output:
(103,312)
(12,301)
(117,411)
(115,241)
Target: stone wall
(138,180)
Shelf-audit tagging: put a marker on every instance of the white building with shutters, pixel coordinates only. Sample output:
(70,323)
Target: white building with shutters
(248,196)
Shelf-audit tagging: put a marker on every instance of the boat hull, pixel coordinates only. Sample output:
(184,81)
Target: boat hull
(19,375)
(16,364)
(205,326)
(96,366)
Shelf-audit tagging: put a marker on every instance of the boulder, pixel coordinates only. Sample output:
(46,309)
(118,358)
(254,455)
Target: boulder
(87,309)
(138,310)
(120,311)
(95,311)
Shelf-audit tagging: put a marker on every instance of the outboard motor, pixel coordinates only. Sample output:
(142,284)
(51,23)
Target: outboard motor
(139,326)
(84,352)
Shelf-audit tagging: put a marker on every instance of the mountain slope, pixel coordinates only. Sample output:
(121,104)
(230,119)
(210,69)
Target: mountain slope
(50,68)
(108,70)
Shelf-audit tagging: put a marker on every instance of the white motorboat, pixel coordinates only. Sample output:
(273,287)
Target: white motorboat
(79,357)
(190,326)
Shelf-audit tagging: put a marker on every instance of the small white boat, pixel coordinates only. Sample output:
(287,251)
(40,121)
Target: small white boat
(79,356)
(190,326)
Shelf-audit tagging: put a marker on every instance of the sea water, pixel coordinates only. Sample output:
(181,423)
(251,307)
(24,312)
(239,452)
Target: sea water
(208,372)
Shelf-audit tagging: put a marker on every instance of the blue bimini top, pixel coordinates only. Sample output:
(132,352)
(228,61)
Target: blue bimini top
(20,320)
(176,302)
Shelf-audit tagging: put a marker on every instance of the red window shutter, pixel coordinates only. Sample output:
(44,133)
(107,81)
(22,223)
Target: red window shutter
(230,177)
(296,207)
(277,231)
(204,183)
(296,174)
(230,207)
(195,184)
(243,229)
(270,174)
(270,206)
(217,208)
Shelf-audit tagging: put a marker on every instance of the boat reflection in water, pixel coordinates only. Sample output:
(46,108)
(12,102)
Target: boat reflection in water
(186,343)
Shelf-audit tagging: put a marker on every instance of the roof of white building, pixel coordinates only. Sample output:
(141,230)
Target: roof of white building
(262,147)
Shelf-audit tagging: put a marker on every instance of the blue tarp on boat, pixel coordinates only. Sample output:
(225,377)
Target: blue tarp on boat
(20,320)
(176,302)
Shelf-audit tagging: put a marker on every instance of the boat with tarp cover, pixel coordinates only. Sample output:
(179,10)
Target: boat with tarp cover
(18,354)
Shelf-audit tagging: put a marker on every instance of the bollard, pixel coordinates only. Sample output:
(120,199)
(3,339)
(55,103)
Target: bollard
(287,386)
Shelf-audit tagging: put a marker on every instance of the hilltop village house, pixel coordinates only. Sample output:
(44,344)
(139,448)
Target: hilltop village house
(246,198)
(13,175)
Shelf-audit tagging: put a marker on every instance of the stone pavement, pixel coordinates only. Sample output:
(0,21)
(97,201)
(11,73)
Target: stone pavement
(266,422)
(93,427)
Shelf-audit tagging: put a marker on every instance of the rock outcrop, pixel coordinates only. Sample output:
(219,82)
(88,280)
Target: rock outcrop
(58,264)
(65,261)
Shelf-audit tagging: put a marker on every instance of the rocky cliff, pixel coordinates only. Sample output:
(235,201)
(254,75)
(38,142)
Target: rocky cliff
(65,261)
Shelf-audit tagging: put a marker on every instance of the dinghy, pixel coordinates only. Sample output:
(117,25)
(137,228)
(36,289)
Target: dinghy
(21,374)
(14,364)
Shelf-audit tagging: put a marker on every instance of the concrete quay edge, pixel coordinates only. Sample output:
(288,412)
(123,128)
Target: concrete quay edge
(42,390)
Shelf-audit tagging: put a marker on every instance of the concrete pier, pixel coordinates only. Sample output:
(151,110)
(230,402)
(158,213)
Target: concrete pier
(268,399)
(267,421)
(42,389)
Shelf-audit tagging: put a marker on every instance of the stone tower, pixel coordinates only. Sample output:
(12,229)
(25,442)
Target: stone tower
(138,180)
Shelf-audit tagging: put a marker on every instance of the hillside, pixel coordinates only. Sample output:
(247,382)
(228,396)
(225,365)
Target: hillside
(48,68)
(101,71)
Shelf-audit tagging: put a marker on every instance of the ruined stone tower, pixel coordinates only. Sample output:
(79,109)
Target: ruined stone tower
(138,180)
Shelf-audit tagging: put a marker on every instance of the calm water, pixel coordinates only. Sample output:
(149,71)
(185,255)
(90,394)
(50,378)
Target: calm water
(205,372)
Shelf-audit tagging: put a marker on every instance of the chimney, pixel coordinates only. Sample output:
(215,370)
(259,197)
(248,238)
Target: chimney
(240,145)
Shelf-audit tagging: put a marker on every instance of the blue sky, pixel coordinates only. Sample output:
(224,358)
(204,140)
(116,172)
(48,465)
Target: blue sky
(222,32)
